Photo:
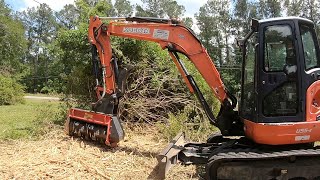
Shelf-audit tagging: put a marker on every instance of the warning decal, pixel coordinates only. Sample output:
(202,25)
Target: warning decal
(161,34)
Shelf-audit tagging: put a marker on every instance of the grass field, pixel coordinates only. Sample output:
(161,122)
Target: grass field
(25,121)
(46,95)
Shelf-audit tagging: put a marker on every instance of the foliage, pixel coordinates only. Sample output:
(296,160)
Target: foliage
(67,17)
(197,130)
(123,8)
(162,8)
(270,9)
(154,88)
(41,30)
(11,92)
(12,41)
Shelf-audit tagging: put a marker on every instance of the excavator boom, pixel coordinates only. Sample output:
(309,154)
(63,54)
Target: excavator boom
(174,37)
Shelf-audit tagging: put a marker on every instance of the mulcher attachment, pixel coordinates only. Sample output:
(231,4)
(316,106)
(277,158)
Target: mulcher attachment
(101,123)
(104,128)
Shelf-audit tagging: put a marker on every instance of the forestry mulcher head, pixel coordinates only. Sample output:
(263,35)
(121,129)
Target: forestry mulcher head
(104,128)
(102,123)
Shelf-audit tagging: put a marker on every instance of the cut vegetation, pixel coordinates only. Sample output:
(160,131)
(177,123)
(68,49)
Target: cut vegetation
(27,155)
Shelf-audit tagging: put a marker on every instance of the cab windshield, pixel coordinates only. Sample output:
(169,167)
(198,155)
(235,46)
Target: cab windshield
(309,47)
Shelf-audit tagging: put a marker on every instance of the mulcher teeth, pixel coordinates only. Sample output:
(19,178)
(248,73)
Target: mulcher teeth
(87,131)
(95,126)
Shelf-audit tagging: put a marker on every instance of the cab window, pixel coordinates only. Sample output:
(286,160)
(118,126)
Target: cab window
(279,47)
(309,50)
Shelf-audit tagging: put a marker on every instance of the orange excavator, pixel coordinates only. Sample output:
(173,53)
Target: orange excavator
(272,133)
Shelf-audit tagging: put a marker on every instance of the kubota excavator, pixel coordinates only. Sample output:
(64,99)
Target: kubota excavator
(278,117)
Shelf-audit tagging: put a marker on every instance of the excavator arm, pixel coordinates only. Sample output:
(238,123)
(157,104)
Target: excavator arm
(102,122)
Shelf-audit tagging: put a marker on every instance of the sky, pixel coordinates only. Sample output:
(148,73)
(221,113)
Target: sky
(192,6)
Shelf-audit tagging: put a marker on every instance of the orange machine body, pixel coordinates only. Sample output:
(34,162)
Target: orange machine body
(290,132)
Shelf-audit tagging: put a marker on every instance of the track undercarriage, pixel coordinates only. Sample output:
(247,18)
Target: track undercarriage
(241,159)
(224,158)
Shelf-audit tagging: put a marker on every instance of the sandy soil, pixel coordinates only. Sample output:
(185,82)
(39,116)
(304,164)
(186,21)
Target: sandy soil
(57,156)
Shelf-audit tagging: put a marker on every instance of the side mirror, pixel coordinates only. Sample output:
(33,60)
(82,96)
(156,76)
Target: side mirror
(240,44)
(254,25)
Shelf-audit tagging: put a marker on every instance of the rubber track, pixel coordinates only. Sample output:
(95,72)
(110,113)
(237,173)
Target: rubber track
(241,154)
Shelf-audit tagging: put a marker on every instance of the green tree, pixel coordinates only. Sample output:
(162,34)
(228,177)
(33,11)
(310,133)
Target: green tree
(311,11)
(172,9)
(294,7)
(188,22)
(160,8)
(89,8)
(11,91)
(74,49)
(68,16)
(123,8)
(12,49)
(270,8)
(12,41)
(244,11)
(41,30)
(214,22)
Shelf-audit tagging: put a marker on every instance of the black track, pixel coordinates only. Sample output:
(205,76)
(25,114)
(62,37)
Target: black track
(264,163)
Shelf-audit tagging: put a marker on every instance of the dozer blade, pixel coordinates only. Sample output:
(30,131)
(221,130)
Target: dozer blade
(169,156)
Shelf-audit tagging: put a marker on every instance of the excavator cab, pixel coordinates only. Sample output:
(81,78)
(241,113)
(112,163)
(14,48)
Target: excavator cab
(280,67)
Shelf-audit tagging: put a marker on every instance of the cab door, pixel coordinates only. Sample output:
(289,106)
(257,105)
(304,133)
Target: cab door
(278,78)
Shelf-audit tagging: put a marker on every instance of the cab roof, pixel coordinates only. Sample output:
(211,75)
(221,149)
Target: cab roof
(300,19)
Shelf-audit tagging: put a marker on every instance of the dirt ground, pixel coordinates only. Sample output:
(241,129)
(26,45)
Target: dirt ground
(58,156)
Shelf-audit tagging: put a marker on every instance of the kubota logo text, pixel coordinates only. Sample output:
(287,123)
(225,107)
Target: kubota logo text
(136,30)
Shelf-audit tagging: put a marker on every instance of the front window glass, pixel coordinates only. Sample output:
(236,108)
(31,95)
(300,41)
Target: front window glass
(248,96)
(282,101)
(279,56)
(310,54)
(278,47)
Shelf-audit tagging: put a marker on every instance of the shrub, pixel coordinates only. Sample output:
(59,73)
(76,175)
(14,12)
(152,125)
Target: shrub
(11,92)
(192,124)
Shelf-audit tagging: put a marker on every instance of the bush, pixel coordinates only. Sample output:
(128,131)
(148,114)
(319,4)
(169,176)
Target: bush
(195,127)
(46,118)
(11,92)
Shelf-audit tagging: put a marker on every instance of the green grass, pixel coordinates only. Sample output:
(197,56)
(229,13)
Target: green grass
(28,120)
(44,95)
